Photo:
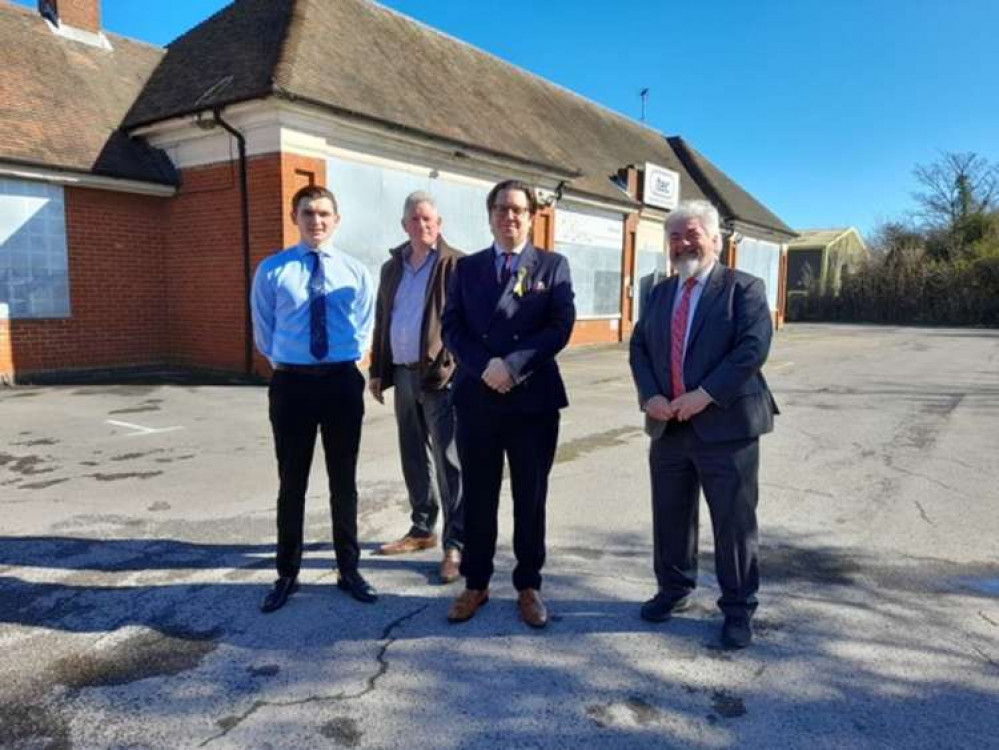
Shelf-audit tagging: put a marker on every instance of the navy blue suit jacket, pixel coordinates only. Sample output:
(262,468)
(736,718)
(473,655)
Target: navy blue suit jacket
(728,344)
(526,323)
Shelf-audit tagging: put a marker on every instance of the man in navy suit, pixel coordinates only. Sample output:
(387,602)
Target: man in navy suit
(696,358)
(509,311)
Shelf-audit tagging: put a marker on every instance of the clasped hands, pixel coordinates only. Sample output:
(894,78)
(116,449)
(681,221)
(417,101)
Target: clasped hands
(497,376)
(681,408)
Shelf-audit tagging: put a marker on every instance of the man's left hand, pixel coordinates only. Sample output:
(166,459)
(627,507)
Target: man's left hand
(497,376)
(687,405)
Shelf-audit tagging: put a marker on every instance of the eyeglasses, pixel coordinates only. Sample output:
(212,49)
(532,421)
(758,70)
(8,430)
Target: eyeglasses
(517,211)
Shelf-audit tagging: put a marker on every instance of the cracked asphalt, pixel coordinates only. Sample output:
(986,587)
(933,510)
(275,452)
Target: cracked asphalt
(137,536)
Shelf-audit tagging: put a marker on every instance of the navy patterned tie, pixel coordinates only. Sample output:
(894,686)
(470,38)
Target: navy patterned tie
(318,343)
(506,270)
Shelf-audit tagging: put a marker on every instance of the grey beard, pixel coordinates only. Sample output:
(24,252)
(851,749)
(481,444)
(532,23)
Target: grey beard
(688,267)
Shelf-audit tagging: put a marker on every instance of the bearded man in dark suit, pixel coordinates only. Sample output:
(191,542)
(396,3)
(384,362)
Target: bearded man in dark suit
(696,357)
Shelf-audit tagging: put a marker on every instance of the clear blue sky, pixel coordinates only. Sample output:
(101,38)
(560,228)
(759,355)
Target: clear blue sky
(820,109)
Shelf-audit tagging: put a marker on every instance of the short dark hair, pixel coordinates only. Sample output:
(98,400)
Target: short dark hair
(312,193)
(527,190)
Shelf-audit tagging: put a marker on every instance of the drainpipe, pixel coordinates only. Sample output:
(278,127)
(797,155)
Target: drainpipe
(244,207)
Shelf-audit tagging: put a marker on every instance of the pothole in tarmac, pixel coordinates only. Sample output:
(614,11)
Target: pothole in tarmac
(343,730)
(34,727)
(134,654)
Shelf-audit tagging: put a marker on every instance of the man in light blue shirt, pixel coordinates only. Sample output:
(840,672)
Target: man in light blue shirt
(313,308)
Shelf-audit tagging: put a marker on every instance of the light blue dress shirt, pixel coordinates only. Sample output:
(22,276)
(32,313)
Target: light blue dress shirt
(407,309)
(280,305)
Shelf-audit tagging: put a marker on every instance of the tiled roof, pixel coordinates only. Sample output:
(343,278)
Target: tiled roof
(62,102)
(732,201)
(361,59)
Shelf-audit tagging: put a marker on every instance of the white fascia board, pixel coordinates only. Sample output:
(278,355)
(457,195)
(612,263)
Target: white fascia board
(81,180)
(274,125)
(309,130)
(569,201)
(658,215)
(195,140)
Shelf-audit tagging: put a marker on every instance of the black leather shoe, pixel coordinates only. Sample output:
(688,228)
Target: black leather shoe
(284,587)
(352,582)
(662,606)
(736,632)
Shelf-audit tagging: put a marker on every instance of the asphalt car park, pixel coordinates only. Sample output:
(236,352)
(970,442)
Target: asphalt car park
(138,534)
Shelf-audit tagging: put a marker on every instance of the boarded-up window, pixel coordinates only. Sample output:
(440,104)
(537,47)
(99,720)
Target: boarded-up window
(593,242)
(34,275)
(762,259)
(371,197)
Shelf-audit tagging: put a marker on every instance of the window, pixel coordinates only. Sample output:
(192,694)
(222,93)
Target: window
(593,242)
(370,198)
(761,258)
(34,275)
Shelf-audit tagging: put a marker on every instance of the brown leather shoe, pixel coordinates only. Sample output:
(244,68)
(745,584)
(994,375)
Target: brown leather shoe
(466,604)
(532,609)
(408,543)
(450,565)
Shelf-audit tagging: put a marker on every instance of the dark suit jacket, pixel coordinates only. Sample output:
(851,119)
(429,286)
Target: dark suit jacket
(729,342)
(436,363)
(526,323)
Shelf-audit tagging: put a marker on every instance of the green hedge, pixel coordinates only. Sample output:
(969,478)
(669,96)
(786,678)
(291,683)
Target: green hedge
(908,287)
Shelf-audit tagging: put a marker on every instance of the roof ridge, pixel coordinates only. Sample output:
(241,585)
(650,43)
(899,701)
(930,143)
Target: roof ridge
(518,68)
(678,144)
(197,26)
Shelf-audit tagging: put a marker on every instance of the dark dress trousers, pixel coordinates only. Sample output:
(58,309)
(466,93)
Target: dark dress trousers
(718,449)
(526,323)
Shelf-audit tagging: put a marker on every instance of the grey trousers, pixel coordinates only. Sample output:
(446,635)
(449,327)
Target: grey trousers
(426,444)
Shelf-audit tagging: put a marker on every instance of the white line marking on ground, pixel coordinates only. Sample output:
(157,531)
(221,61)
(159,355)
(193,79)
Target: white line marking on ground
(139,429)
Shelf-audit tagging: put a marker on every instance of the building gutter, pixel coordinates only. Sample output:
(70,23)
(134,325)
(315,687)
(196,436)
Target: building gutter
(70,177)
(244,210)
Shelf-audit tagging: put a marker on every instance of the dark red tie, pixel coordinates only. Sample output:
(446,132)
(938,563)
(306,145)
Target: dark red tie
(678,332)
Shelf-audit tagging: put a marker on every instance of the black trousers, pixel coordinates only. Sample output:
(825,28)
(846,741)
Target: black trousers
(681,465)
(528,442)
(301,405)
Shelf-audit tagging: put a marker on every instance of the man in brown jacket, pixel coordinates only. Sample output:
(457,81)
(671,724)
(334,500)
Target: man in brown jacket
(408,353)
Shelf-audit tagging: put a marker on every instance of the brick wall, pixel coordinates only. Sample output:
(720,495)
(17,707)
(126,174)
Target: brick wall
(115,244)
(82,14)
(595,332)
(6,358)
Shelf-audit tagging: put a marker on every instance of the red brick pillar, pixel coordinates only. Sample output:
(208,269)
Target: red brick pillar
(6,349)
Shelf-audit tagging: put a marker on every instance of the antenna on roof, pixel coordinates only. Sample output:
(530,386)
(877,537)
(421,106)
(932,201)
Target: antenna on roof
(644,93)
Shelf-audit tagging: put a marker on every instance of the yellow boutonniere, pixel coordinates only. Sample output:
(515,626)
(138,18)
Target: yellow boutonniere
(518,288)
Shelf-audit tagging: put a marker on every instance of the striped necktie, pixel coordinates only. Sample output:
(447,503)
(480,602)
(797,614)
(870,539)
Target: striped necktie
(506,270)
(318,341)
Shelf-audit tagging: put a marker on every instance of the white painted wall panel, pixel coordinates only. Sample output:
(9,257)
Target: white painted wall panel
(651,261)
(762,259)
